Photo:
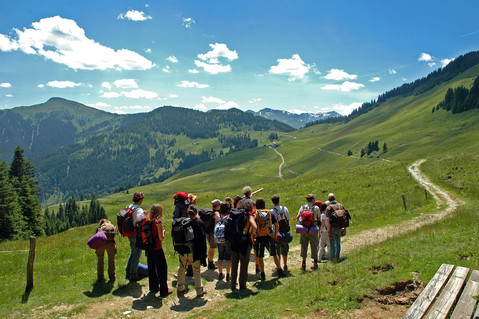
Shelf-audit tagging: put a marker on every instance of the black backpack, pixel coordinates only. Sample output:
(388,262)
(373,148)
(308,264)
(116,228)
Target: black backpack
(144,235)
(181,209)
(340,217)
(207,215)
(283,222)
(182,234)
(235,225)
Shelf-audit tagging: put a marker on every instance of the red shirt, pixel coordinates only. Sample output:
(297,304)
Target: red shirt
(155,234)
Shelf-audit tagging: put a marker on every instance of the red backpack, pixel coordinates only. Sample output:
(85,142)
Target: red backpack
(306,217)
(124,219)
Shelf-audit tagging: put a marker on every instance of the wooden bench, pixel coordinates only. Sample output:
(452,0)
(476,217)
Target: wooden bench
(446,290)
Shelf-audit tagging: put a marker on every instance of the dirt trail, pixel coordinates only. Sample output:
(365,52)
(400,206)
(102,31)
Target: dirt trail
(134,302)
(280,165)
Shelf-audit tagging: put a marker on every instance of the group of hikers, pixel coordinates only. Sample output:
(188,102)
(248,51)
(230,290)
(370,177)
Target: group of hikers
(233,227)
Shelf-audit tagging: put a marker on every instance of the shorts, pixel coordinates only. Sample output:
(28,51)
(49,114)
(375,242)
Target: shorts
(282,248)
(224,252)
(211,240)
(262,243)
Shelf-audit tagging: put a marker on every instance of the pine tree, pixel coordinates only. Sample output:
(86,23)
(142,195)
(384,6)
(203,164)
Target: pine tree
(11,221)
(22,176)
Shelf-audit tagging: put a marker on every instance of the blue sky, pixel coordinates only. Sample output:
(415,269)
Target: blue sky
(301,56)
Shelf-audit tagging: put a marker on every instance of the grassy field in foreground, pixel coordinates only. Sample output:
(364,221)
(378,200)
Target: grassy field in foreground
(65,268)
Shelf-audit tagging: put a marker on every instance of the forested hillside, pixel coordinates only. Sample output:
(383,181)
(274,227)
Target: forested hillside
(79,150)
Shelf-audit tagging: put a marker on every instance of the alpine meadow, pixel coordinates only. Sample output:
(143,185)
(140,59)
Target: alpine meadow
(249,159)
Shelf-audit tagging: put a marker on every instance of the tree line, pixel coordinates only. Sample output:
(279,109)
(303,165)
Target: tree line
(460,99)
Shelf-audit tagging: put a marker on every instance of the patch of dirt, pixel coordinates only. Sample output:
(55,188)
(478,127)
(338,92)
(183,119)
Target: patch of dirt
(379,269)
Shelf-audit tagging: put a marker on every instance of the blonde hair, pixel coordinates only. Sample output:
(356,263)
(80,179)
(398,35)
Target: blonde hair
(156,212)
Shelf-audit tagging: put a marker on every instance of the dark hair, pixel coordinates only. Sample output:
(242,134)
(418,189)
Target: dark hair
(237,198)
(260,203)
(275,199)
(224,208)
(138,196)
(323,207)
(192,211)
(245,204)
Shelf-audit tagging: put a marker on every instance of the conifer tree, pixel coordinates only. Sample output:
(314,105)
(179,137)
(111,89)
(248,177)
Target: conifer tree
(22,176)
(11,221)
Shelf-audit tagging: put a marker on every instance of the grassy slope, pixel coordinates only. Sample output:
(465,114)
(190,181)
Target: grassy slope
(65,267)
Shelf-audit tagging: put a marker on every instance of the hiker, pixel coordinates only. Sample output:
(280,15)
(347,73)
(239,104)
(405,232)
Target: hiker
(197,256)
(134,269)
(157,267)
(267,230)
(308,216)
(192,199)
(337,226)
(248,193)
(323,255)
(224,247)
(110,246)
(240,245)
(209,233)
(229,200)
(181,205)
(281,214)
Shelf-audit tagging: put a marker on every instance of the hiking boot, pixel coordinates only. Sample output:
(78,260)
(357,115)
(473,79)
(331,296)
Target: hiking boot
(189,271)
(166,293)
(221,276)
(257,270)
(182,291)
(285,267)
(281,273)
(303,266)
(228,278)
(315,265)
(211,265)
(263,276)
(200,292)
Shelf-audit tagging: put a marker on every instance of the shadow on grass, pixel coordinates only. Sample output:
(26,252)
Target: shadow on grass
(267,284)
(132,289)
(26,294)
(241,294)
(148,300)
(186,304)
(99,289)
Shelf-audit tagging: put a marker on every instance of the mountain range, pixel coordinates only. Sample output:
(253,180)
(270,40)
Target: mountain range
(296,120)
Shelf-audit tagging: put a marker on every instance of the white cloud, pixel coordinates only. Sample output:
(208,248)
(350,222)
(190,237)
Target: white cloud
(5,85)
(99,105)
(431,64)
(200,107)
(126,84)
(166,69)
(106,85)
(172,96)
(188,84)
(134,15)
(295,68)
(139,94)
(425,57)
(187,22)
(41,85)
(62,84)
(63,41)
(339,75)
(212,99)
(255,100)
(227,105)
(345,87)
(375,79)
(8,95)
(172,59)
(210,61)
(110,95)
(445,62)
(148,50)
(392,71)
(346,109)
(193,71)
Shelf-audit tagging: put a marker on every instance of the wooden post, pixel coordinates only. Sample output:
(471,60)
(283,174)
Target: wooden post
(425,192)
(31,259)
(404,202)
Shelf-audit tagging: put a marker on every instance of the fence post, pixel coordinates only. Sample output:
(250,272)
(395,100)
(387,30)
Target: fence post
(404,202)
(31,259)
(425,192)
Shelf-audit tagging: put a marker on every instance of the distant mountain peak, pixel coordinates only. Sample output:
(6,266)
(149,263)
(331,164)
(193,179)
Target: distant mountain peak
(296,120)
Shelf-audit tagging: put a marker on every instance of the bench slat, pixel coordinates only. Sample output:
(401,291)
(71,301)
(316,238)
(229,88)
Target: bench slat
(449,295)
(422,303)
(465,305)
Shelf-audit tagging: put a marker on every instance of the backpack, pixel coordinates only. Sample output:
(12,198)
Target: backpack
(283,222)
(340,217)
(207,215)
(144,235)
(97,240)
(236,222)
(182,234)
(219,231)
(263,221)
(124,219)
(181,205)
(307,217)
